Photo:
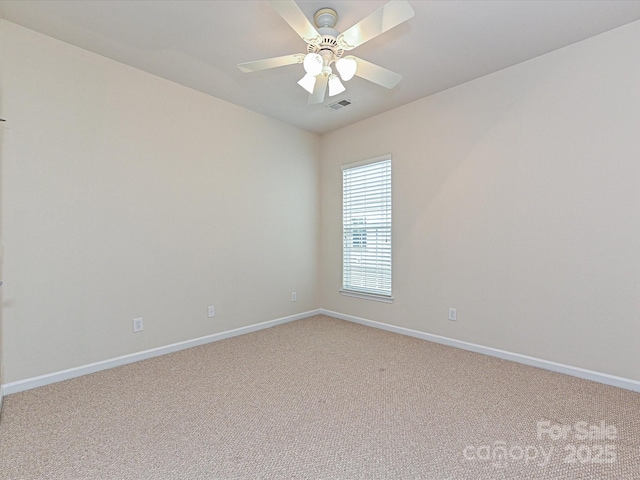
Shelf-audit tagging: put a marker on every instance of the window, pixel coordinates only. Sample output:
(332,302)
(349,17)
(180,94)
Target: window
(366,224)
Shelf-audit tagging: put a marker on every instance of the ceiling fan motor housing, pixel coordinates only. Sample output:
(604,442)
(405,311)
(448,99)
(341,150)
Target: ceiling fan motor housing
(328,45)
(325,19)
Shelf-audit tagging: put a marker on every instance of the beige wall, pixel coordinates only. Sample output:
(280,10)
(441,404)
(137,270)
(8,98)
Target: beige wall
(125,195)
(516,200)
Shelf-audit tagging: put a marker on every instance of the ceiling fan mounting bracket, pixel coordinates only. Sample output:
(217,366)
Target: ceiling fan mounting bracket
(325,18)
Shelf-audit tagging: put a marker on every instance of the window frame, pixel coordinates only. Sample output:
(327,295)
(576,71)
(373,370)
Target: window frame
(364,240)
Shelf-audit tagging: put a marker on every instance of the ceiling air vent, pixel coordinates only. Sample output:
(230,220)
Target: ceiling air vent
(339,105)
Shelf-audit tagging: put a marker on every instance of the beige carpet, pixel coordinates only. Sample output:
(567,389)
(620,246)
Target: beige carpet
(321,398)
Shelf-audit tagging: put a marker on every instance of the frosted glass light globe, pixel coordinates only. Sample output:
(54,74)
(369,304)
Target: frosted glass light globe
(312,64)
(347,67)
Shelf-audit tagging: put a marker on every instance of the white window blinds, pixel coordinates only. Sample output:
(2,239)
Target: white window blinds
(366,216)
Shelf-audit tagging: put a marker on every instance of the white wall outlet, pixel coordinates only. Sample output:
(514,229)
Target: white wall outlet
(212,311)
(294,296)
(453,314)
(137,325)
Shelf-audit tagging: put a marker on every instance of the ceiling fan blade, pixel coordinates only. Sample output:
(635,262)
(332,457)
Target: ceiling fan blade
(289,10)
(319,91)
(377,74)
(383,19)
(271,62)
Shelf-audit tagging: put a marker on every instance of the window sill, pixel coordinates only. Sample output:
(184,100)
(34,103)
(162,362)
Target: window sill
(367,296)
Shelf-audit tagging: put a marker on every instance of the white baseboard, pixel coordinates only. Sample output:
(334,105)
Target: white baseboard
(29,383)
(605,378)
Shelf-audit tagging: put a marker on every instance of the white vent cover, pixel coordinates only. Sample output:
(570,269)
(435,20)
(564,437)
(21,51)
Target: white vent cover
(339,105)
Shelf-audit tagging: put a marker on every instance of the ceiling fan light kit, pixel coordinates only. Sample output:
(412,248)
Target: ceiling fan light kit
(347,67)
(335,85)
(313,64)
(326,46)
(307,82)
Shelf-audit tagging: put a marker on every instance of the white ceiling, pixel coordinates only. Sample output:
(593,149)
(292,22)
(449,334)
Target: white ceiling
(199,43)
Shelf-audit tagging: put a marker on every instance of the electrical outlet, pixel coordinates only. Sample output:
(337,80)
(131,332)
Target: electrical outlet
(453,314)
(294,296)
(212,311)
(137,325)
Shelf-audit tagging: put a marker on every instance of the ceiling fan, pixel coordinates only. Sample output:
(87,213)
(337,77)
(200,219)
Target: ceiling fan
(326,47)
